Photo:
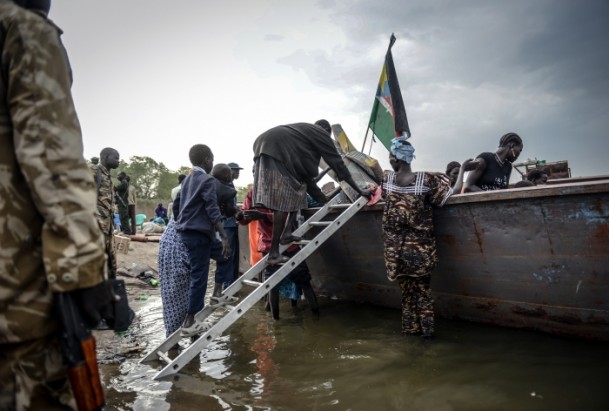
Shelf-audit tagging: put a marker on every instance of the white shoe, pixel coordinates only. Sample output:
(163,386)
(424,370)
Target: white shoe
(193,327)
(222,300)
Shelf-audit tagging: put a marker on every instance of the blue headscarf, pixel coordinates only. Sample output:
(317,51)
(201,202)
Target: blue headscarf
(403,152)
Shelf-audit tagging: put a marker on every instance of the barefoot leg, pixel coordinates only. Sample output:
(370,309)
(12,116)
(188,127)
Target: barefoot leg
(278,217)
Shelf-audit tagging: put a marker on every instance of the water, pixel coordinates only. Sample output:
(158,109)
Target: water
(354,358)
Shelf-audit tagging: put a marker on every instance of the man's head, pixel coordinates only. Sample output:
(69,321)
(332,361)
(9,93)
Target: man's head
(235,170)
(537,177)
(325,125)
(201,156)
(160,205)
(121,176)
(513,144)
(95,160)
(181,178)
(452,171)
(109,158)
(222,172)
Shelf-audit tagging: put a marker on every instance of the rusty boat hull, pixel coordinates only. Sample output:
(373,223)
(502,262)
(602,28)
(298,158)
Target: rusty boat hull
(534,258)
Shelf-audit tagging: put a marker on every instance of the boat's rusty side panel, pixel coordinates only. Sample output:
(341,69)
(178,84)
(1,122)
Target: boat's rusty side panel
(537,260)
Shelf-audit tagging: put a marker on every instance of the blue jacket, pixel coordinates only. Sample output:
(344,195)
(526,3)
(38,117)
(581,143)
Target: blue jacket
(199,210)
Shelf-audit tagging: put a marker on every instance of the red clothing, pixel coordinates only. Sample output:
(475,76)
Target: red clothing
(265,226)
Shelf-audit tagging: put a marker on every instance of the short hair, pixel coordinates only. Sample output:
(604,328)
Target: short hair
(181,178)
(222,172)
(451,165)
(122,173)
(324,124)
(198,153)
(106,152)
(510,138)
(535,174)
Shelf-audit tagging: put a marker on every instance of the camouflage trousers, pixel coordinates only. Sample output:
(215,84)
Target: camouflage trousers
(33,377)
(111,254)
(417,305)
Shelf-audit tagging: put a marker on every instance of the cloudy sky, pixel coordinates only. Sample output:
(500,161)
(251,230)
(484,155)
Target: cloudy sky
(155,77)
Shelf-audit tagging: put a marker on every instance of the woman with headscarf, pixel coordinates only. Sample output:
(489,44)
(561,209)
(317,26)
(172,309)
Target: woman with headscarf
(493,170)
(409,244)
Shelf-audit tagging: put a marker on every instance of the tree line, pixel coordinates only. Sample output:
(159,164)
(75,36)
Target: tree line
(153,180)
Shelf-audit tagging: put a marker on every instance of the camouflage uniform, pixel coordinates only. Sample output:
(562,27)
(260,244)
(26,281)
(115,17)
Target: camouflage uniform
(105,212)
(409,244)
(49,237)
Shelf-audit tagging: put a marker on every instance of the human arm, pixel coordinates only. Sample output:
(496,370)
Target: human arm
(468,165)
(470,185)
(54,208)
(314,191)
(223,238)
(48,148)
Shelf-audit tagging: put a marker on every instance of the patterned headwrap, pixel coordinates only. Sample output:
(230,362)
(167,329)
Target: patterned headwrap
(402,151)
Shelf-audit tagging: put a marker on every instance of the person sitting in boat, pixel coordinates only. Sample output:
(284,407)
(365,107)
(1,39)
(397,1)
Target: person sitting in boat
(524,183)
(493,170)
(455,172)
(408,239)
(286,163)
(538,177)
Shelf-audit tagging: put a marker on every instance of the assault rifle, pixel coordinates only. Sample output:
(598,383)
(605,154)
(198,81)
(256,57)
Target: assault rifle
(78,347)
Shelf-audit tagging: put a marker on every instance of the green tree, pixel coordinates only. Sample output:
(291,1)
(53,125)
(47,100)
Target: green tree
(145,174)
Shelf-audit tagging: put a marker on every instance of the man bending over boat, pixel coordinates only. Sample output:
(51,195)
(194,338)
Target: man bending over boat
(493,170)
(409,243)
(286,163)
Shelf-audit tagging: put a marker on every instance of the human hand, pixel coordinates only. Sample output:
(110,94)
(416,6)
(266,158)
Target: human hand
(95,303)
(367,192)
(225,247)
(254,215)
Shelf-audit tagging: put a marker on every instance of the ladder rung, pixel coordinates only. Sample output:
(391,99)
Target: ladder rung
(163,357)
(337,206)
(251,283)
(320,223)
(303,242)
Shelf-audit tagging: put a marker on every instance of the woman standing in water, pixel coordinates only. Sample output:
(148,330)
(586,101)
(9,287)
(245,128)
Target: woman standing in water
(409,244)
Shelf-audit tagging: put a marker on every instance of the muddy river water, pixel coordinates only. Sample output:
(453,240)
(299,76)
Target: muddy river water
(354,358)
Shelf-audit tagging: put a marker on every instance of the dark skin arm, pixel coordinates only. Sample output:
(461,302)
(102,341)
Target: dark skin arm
(468,165)
(473,177)
(224,239)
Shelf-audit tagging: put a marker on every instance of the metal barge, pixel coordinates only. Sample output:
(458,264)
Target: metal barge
(535,258)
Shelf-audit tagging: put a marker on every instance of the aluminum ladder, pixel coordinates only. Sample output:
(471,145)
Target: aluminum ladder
(260,289)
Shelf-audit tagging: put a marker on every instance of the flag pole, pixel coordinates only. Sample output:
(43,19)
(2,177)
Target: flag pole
(371,142)
(365,138)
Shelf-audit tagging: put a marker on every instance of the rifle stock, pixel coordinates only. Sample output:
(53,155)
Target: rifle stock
(78,347)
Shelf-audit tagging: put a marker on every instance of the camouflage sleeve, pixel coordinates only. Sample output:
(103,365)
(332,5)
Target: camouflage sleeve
(440,188)
(49,151)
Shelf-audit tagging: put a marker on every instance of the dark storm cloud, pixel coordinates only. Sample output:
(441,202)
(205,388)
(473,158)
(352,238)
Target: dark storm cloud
(539,67)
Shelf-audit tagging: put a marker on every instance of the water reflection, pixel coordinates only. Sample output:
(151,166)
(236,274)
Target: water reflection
(354,358)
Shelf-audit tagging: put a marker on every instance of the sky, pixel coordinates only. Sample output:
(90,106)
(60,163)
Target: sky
(152,78)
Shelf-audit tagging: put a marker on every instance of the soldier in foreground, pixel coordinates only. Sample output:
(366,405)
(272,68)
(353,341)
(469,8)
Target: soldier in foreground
(50,242)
